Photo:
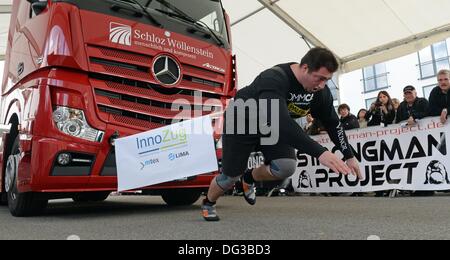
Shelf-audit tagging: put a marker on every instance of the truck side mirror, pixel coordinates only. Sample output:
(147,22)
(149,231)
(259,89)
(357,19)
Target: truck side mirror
(38,6)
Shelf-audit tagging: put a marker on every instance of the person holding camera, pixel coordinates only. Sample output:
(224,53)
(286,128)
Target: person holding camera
(382,112)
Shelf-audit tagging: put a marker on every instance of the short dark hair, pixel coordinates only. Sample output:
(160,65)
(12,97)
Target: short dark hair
(342,107)
(360,111)
(317,58)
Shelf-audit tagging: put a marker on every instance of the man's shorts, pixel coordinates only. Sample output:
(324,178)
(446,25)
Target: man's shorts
(237,150)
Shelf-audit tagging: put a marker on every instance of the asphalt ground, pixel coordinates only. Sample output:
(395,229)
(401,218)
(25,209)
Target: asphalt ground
(276,218)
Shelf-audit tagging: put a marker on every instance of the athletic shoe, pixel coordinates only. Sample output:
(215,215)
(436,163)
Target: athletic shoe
(209,212)
(249,191)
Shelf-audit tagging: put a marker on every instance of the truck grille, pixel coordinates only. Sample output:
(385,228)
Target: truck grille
(126,94)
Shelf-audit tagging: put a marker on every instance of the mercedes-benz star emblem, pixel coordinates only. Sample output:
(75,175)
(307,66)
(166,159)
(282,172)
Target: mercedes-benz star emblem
(166,70)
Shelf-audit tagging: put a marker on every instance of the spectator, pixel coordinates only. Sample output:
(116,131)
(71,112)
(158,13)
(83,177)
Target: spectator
(381,112)
(396,104)
(309,123)
(413,108)
(362,118)
(313,126)
(348,120)
(439,97)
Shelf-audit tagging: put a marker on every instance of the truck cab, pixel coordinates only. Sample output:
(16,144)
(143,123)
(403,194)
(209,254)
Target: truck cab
(80,74)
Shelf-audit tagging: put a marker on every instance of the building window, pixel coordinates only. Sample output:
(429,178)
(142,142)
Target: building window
(375,78)
(369,102)
(427,91)
(433,59)
(333,87)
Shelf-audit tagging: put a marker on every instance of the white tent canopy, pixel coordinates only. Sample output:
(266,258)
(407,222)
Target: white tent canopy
(359,32)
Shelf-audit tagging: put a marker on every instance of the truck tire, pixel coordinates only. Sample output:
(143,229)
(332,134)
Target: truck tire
(181,197)
(3,199)
(3,194)
(91,197)
(21,204)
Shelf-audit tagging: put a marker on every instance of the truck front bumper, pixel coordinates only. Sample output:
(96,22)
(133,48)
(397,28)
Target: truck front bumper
(92,168)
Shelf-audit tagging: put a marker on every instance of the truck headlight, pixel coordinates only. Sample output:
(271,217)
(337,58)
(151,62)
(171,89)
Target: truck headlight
(73,122)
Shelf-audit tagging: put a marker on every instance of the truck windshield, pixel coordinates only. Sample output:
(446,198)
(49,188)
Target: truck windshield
(206,13)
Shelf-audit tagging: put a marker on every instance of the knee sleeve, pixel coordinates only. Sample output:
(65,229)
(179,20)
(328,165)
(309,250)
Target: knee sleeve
(226,183)
(283,168)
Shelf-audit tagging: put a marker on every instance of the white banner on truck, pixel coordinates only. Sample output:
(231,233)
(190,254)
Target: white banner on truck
(394,157)
(166,154)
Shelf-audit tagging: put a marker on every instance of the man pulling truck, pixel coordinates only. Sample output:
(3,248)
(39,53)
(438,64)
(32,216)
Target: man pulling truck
(296,90)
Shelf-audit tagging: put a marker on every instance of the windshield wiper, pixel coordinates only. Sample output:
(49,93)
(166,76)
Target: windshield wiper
(186,19)
(125,4)
(182,15)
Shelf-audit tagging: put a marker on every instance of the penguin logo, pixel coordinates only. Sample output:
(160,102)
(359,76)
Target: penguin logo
(304,181)
(436,174)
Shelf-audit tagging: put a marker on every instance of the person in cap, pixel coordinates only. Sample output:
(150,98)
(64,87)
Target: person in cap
(413,108)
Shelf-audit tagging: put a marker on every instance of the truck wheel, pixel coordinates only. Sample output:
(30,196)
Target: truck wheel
(180,197)
(3,194)
(20,204)
(91,197)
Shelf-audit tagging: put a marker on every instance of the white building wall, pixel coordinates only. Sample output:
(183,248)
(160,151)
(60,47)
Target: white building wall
(351,90)
(402,72)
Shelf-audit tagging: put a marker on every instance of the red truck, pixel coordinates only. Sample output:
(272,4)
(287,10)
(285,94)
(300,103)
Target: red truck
(80,74)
